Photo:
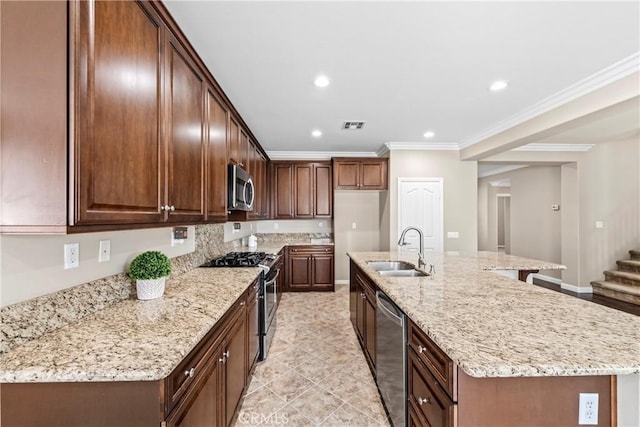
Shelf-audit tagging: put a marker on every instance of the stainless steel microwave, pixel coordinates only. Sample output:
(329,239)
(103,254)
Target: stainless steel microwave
(241,190)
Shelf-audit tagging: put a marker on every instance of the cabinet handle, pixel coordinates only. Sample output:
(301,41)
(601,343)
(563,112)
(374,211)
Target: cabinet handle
(190,373)
(226,354)
(421,349)
(422,401)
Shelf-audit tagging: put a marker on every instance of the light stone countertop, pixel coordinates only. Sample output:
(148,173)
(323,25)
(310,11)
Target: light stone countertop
(493,326)
(132,340)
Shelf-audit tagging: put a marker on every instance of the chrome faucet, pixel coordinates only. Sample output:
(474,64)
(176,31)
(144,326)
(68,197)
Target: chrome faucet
(401,242)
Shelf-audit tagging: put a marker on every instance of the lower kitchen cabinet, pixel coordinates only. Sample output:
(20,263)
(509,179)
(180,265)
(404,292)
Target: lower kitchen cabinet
(362,307)
(310,268)
(205,389)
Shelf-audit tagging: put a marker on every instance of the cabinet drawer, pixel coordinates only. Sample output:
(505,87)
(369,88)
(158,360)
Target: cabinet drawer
(311,249)
(440,365)
(426,396)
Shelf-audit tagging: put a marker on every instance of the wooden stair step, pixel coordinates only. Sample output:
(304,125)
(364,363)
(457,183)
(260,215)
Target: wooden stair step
(622,277)
(617,291)
(635,254)
(629,265)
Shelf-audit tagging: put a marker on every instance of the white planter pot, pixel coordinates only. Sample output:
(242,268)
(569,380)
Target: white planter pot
(150,288)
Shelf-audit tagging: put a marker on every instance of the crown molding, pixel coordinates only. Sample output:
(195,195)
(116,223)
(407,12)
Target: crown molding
(503,169)
(316,155)
(435,146)
(554,147)
(596,81)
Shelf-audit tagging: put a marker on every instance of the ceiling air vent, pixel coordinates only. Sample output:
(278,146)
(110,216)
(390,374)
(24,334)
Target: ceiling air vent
(352,125)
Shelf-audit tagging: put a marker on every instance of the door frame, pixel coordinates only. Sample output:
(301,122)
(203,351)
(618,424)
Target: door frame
(439,180)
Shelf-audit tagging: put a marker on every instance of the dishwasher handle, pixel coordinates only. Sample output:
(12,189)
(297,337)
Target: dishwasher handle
(388,308)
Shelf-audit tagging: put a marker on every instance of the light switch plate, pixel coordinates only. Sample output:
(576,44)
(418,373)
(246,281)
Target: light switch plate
(599,224)
(104,253)
(453,234)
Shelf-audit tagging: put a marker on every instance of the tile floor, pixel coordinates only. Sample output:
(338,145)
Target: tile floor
(315,373)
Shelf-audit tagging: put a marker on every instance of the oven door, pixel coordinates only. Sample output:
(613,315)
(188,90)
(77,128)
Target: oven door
(270,294)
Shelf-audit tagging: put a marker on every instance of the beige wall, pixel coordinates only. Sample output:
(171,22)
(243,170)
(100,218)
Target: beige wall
(460,193)
(364,209)
(608,192)
(32,266)
(535,227)
(570,224)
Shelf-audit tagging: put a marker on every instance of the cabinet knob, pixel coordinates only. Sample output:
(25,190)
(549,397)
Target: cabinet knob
(223,360)
(421,349)
(226,354)
(163,207)
(190,373)
(242,303)
(363,296)
(172,208)
(422,401)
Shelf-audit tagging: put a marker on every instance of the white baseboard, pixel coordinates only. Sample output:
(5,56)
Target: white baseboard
(341,282)
(550,279)
(577,289)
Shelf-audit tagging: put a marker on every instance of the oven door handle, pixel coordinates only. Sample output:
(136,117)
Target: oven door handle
(270,282)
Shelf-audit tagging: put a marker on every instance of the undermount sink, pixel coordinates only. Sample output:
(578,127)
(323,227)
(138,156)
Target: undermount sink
(402,273)
(390,265)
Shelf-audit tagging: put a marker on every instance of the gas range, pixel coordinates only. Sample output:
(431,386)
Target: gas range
(242,259)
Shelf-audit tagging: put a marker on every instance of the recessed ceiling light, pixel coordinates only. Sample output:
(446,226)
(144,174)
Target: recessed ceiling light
(321,81)
(498,85)
(429,134)
(316,133)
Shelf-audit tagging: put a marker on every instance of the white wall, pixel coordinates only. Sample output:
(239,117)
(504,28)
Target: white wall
(32,266)
(460,193)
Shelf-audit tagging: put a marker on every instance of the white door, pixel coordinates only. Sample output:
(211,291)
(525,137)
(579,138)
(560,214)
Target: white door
(420,205)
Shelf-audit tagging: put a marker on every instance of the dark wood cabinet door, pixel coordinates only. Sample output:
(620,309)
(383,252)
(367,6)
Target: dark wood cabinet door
(346,174)
(235,355)
(322,272)
(299,270)
(243,150)
(323,191)
(216,182)
(373,174)
(303,190)
(186,149)
(34,116)
(264,194)
(201,406)
(253,328)
(370,327)
(118,170)
(282,190)
(360,312)
(233,148)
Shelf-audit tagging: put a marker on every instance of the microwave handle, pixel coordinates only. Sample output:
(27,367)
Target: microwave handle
(233,200)
(247,185)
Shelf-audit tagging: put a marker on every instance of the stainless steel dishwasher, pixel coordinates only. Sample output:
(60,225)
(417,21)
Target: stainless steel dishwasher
(391,333)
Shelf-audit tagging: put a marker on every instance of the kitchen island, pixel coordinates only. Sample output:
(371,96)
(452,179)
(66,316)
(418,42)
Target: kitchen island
(502,334)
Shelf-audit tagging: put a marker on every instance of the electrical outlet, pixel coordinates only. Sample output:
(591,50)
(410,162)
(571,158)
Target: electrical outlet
(599,224)
(588,409)
(453,234)
(321,224)
(354,225)
(71,255)
(275,225)
(104,253)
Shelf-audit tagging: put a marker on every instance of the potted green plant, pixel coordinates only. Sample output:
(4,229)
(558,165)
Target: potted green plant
(149,270)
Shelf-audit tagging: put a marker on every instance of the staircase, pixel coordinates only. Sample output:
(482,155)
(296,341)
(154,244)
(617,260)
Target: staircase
(623,284)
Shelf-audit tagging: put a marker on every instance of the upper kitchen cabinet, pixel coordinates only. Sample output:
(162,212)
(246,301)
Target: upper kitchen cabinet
(117,147)
(301,190)
(360,173)
(33,110)
(149,134)
(238,147)
(185,198)
(216,154)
